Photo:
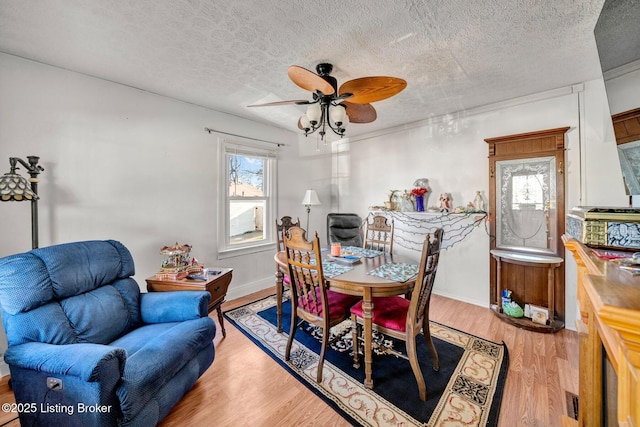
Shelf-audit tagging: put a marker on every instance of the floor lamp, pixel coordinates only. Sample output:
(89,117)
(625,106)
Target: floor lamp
(310,199)
(14,187)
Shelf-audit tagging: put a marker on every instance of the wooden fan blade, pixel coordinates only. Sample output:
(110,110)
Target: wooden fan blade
(271,104)
(360,113)
(308,80)
(372,89)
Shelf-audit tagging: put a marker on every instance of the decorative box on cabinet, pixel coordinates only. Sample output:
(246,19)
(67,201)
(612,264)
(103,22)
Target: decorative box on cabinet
(617,228)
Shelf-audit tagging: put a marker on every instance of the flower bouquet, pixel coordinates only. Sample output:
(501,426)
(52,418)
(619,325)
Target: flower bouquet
(418,194)
(421,191)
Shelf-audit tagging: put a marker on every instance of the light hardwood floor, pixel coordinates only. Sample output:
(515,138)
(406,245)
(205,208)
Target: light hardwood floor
(245,387)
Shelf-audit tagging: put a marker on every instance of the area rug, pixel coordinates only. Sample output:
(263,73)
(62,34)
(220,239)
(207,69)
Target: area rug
(467,390)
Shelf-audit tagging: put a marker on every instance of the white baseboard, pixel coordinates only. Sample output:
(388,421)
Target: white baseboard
(458,298)
(237,291)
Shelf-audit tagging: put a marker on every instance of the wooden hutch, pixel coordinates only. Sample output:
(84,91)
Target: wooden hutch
(609,339)
(528,263)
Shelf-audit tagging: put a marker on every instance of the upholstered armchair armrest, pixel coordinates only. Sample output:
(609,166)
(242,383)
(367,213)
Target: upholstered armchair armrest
(88,362)
(177,306)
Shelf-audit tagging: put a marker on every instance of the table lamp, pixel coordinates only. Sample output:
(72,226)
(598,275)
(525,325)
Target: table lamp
(310,199)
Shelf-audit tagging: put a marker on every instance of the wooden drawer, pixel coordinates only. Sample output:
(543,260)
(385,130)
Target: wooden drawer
(217,285)
(218,288)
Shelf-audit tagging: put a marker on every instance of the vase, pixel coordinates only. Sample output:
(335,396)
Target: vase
(420,203)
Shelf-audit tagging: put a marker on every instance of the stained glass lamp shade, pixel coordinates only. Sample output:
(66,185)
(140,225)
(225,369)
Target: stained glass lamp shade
(14,187)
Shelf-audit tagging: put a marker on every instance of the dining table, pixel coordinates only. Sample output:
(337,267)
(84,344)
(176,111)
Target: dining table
(360,281)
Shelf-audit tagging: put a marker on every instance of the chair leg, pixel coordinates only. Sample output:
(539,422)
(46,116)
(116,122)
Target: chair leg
(323,351)
(355,330)
(415,366)
(279,289)
(292,332)
(427,336)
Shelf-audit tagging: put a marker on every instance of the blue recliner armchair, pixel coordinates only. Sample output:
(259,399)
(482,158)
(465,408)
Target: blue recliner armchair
(87,348)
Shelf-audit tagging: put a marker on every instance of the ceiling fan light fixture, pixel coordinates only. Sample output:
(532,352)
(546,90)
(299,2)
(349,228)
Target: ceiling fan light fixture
(305,124)
(329,106)
(338,114)
(314,113)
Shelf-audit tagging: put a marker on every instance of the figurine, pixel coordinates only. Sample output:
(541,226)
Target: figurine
(445,202)
(406,205)
(478,202)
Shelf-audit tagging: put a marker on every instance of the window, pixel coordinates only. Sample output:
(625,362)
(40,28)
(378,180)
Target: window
(525,191)
(248,176)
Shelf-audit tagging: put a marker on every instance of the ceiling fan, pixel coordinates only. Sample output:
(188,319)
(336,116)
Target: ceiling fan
(329,107)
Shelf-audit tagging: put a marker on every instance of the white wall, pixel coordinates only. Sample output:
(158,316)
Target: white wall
(128,165)
(307,169)
(121,164)
(623,91)
(452,154)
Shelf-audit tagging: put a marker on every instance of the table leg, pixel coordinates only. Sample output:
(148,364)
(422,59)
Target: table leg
(221,320)
(367,315)
(279,291)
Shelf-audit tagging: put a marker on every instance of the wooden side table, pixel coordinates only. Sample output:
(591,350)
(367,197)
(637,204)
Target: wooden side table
(529,261)
(216,285)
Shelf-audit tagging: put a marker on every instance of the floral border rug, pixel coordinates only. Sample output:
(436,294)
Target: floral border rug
(467,389)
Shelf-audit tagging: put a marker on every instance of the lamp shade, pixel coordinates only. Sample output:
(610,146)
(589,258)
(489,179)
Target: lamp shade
(314,113)
(310,198)
(304,122)
(14,187)
(338,113)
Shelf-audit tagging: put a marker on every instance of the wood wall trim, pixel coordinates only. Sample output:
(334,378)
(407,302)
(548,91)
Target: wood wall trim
(529,135)
(629,114)
(626,126)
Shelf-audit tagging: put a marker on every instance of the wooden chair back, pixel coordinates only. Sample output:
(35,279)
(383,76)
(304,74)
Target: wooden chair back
(308,287)
(418,314)
(310,298)
(378,234)
(285,223)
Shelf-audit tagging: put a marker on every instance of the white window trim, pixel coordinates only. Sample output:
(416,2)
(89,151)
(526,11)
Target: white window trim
(267,150)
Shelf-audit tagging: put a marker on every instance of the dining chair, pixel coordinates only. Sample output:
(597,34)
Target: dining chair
(344,228)
(282,225)
(403,318)
(378,234)
(285,223)
(311,301)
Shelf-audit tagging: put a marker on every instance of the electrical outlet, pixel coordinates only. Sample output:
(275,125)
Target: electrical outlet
(54,383)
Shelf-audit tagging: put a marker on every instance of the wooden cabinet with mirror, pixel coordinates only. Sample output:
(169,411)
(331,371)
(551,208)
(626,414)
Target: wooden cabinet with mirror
(526,198)
(626,126)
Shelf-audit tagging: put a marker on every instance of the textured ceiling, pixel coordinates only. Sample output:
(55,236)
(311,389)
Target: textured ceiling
(454,54)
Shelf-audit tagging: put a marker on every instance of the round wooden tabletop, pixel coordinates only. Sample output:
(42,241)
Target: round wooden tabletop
(353,281)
